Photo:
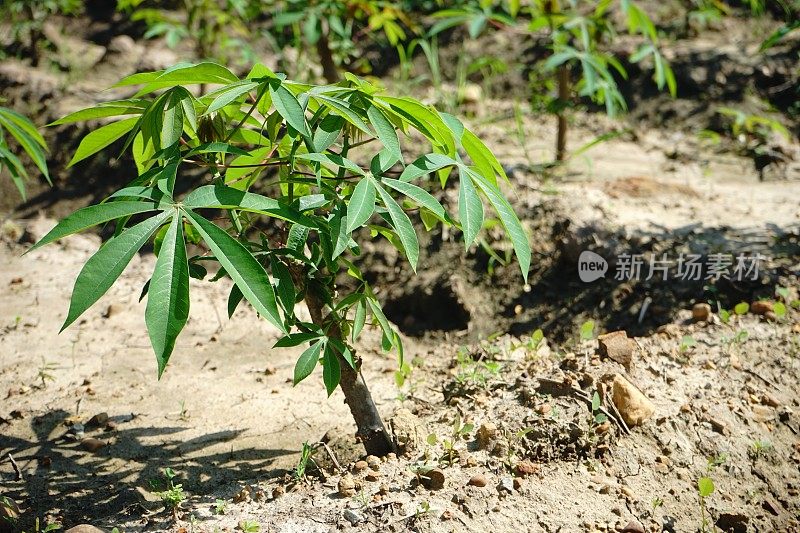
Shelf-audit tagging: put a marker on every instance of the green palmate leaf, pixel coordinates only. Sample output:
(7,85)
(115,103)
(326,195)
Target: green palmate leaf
(289,108)
(181,74)
(116,108)
(425,119)
(15,167)
(284,286)
(9,116)
(230,94)
(385,132)
(418,195)
(168,295)
(403,227)
(339,234)
(233,300)
(483,158)
(296,339)
(26,135)
(307,361)
(242,267)
(359,319)
(362,204)
(333,160)
(172,120)
(426,165)
(343,108)
(222,197)
(105,266)
(388,330)
(508,218)
(217,148)
(102,137)
(93,215)
(327,132)
(470,210)
(331,371)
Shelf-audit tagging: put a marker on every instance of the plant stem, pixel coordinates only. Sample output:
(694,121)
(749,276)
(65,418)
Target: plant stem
(329,69)
(563,97)
(371,430)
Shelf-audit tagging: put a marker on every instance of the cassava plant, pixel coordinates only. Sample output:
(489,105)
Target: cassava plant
(580,35)
(338,30)
(26,136)
(293,172)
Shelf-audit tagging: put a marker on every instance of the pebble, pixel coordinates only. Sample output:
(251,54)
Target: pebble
(486,433)
(354,517)
(92,445)
(506,485)
(770,400)
(761,307)
(701,312)
(628,493)
(84,528)
(633,527)
(634,406)
(372,475)
(347,486)
(478,480)
(433,479)
(526,468)
(373,462)
(360,466)
(100,419)
(617,347)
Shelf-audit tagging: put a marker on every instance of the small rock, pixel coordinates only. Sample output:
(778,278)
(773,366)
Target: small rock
(408,430)
(735,522)
(701,312)
(526,468)
(360,466)
(617,347)
(478,480)
(92,445)
(372,475)
(517,483)
(506,485)
(634,406)
(628,493)
(768,399)
(278,491)
(347,486)
(769,504)
(771,316)
(391,456)
(433,479)
(122,44)
(100,419)
(373,462)
(761,307)
(486,434)
(717,425)
(84,528)
(633,527)
(242,496)
(354,517)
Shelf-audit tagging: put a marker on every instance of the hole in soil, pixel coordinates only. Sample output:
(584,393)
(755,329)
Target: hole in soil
(435,308)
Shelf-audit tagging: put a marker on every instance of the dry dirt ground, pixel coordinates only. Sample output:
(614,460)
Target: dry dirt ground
(86,430)
(225,420)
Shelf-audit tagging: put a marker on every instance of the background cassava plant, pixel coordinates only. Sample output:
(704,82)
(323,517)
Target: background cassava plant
(326,161)
(20,131)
